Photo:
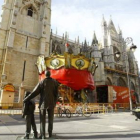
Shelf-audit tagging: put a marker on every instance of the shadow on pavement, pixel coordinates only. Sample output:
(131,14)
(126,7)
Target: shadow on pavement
(12,134)
(134,130)
(21,121)
(102,136)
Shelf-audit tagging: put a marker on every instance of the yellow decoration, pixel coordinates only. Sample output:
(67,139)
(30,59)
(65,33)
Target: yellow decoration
(55,62)
(80,62)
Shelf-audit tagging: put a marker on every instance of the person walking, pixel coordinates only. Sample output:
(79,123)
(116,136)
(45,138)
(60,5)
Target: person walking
(48,90)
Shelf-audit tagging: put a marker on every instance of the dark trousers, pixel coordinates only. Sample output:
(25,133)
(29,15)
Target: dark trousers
(43,120)
(30,121)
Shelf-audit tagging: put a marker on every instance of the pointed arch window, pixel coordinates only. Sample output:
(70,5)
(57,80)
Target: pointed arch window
(121,82)
(53,47)
(108,81)
(132,86)
(30,11)
(58,49)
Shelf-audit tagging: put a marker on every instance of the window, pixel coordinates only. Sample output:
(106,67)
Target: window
(30,11)
(132,86)
(108,81)
(116,58)
(121,82)
(53,47)
(102,56)
(58,49)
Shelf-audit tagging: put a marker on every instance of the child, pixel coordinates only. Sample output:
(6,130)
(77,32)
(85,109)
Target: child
(28,113)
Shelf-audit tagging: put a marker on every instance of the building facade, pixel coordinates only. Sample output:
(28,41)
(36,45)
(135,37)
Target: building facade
(25,34)
(112,70)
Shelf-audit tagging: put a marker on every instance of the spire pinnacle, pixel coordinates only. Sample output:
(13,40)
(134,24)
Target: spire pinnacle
(110,21)
(94,40)
(75,40)
(119,30)
(103,21)
(63,36)
(66,36)
(85,43)
(78,39)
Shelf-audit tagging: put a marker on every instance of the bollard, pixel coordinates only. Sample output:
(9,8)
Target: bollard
(103,109)
(115,107)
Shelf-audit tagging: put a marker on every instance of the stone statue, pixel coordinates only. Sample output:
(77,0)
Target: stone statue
(48,90)
(28,113)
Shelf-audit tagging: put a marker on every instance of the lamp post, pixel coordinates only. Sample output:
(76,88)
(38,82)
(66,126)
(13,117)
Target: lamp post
(128,40)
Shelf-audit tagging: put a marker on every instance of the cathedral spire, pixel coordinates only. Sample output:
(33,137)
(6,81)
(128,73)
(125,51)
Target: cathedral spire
(110,21)
(66,35)
(94,40)
(63,37)
(103,21)
(111,27)
(119,30)
(85,41)
(85,44)
(78,40)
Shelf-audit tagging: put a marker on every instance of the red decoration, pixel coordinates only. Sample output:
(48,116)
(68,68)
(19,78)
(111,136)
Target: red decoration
(76,79)
(66,44)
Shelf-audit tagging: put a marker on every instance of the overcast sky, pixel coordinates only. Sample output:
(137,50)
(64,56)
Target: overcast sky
(82,17)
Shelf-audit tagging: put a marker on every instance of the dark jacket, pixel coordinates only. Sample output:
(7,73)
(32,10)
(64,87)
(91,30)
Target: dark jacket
(48,90)
(28,108)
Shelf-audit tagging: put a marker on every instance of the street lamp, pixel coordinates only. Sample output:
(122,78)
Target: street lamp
(132,47)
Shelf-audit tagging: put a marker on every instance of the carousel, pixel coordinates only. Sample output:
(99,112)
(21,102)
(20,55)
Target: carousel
(75,73)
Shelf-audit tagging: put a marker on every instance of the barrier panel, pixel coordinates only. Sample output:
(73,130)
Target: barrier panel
(16,108)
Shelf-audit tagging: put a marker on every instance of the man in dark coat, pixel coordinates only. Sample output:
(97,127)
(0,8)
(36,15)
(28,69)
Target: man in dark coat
(28,113)
(48,90)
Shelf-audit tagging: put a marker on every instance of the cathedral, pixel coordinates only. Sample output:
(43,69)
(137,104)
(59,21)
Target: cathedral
(25,34)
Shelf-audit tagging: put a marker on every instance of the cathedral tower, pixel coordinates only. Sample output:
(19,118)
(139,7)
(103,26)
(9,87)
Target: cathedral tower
(104,33)
(24,35)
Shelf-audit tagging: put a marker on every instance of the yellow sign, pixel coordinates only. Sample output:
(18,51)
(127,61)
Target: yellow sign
(9,87)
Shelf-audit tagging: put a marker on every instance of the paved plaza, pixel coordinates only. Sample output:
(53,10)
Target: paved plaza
(110,126)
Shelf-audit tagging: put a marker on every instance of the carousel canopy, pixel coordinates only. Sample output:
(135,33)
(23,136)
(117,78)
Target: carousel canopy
(75,71)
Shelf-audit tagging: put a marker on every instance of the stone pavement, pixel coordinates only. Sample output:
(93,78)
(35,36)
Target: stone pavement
(111,126)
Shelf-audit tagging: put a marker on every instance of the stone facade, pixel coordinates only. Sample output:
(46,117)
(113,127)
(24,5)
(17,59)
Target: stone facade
(24,35)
